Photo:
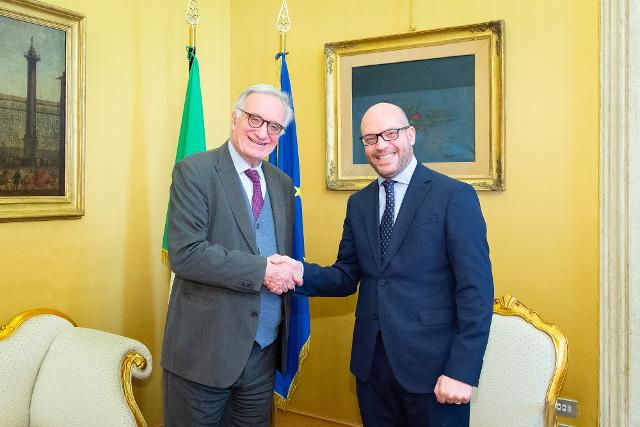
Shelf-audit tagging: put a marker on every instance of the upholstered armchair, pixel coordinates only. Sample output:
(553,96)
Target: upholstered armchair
(524,367)
(53,373)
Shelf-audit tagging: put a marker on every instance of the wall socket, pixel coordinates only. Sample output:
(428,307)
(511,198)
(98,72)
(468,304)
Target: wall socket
(567,408)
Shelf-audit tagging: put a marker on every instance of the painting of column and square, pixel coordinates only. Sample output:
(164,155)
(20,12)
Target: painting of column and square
(448,81)
(41,111)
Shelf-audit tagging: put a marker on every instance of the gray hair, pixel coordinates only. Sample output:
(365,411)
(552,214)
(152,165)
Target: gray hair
(266,89)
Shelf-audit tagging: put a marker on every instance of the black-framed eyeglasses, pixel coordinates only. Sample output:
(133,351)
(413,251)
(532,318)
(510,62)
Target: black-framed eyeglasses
(255,121)
(387,135)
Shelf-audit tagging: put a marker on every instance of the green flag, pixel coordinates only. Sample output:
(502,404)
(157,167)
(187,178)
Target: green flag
(191,139)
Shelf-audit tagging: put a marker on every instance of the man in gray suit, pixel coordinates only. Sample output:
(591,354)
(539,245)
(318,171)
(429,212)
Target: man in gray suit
(227,323)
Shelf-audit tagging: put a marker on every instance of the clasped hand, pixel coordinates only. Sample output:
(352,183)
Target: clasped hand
(449,390)
(282,274)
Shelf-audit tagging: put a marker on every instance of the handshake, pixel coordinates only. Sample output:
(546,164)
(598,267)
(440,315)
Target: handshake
(282,274)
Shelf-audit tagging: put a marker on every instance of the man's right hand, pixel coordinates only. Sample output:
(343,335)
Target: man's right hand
(282,274)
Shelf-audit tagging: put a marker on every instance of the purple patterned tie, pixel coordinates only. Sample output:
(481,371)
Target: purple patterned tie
(257,202)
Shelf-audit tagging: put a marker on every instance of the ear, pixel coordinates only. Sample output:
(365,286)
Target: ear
(411,135)
(234,118)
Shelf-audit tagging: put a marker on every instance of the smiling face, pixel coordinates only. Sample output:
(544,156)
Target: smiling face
(254,144)
(388,158)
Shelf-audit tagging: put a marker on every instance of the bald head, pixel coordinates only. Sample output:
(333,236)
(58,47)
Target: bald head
(393,150)
(383,116)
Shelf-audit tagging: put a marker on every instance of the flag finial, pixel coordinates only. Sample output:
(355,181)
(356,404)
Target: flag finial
(192,14)
(283,24)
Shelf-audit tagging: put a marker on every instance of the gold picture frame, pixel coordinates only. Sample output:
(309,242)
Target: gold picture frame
(449,82)
(42,111)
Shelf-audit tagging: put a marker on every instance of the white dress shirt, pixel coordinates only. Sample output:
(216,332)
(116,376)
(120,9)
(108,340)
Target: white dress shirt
(399,188)
(241,165)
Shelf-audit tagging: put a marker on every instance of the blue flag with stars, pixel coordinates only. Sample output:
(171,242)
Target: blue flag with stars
(286,159)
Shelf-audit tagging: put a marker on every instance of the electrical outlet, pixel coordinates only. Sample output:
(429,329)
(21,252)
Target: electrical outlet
(567,408)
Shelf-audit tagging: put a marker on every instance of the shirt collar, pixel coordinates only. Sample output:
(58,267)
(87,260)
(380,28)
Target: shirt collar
(239,163)
(404,177)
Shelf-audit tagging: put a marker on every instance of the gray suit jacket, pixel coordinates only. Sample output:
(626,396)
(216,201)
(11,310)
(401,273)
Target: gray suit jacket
(215,301)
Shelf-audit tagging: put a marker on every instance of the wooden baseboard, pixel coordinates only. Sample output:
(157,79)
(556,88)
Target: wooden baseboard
(295,417)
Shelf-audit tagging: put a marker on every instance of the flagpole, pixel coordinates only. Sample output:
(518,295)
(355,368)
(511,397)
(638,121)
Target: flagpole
(192,37)
(192,16)
(286,159)
(192,137)
(283,25)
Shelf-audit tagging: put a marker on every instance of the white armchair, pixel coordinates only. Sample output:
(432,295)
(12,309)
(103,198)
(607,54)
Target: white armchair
(55,374)
(524,367)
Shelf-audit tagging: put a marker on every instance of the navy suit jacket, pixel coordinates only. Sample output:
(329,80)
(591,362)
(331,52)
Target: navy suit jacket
(431,298)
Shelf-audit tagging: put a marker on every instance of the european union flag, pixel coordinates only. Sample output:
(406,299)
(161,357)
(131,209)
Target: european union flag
(286,159)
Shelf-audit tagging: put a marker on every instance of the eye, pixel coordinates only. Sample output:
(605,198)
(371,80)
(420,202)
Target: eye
(274,128)
(390,134)
(255,121)
(370,139)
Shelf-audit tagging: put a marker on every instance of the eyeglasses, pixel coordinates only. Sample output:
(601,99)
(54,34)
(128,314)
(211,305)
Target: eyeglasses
(255,121)
(387,135)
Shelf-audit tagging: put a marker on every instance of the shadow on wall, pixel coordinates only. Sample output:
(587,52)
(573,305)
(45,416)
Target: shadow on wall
(138,292)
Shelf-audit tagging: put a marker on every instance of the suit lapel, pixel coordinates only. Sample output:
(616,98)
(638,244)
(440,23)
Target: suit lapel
(235,195)
(278,203)
(419,186)
(371,212)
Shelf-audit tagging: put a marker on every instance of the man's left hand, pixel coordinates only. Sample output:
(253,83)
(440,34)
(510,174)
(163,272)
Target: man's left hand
(448,390)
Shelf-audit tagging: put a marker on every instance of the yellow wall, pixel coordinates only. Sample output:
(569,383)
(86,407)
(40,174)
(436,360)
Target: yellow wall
(104,270)
(543,230)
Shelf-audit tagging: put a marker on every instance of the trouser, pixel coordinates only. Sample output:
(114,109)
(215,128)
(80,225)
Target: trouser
(385,403)
(247,402)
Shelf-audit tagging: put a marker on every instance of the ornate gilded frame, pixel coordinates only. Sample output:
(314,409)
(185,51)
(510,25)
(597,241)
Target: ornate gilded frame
(484,41)
(129,361)
(132,359)
(7,330)
(71,204)
(508,305)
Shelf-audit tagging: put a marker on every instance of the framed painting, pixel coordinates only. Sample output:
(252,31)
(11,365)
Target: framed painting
(448,81)
(42,81)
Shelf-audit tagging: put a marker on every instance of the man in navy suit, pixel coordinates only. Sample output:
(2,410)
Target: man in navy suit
(416,242)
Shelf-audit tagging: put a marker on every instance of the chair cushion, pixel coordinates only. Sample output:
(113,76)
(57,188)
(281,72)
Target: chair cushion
(21,355)
(79,381)
(518,365)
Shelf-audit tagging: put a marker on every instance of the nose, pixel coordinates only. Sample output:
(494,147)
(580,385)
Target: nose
(380,143)
(262,130)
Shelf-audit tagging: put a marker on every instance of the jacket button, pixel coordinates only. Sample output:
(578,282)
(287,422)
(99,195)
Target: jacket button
(375,316)
(254,314)
(382,282)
